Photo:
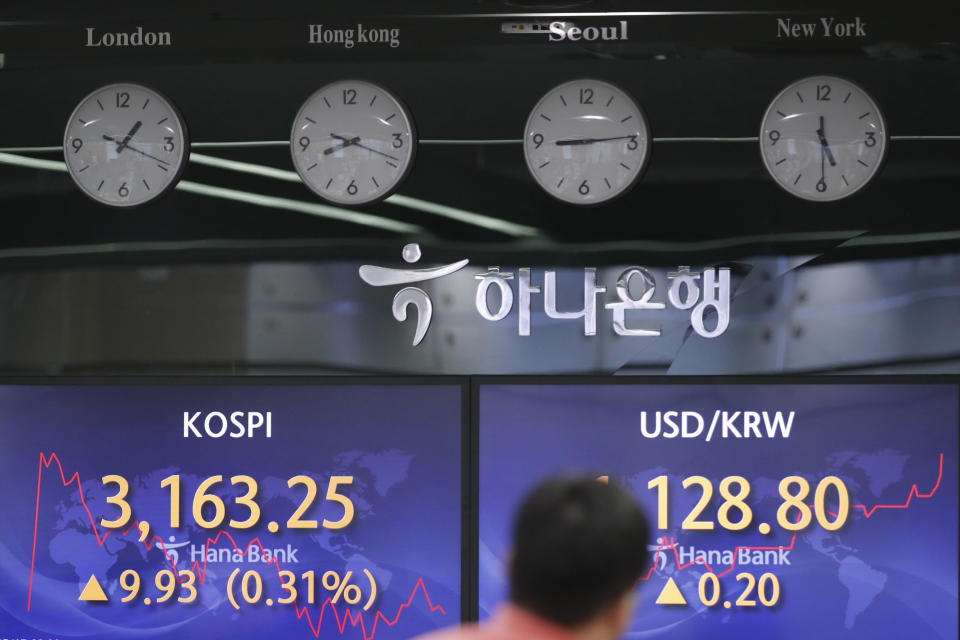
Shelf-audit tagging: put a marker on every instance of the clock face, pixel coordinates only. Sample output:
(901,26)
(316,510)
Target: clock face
(125,145)
(353,142)
(586,142)
(823,138)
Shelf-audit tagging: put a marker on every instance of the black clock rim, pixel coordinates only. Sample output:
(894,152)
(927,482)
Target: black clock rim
(640,172)
(880,164)
(414,145)
(174,180)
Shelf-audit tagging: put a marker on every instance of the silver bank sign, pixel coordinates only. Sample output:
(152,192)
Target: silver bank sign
(705,294)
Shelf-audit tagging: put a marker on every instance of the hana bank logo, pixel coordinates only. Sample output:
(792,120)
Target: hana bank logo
(170,548)
(204,554)
(382,277)
(705,295)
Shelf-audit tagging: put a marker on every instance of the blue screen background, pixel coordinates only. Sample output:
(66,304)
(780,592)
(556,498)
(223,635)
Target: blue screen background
(401,444)
(890,576)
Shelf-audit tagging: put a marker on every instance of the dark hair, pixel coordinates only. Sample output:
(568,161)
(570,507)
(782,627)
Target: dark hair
(579,546)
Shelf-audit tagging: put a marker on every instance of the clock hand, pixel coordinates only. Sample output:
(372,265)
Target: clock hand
(143,153)
(123,145)
(355,142)
(822,182)
(581,141)
(387,155)
(824,145)
(346,143)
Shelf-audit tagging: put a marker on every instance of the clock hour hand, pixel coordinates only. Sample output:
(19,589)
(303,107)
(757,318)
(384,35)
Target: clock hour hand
(143,153)
(133,130)
(356,143)
(345,142)
(581,141)
(824,145)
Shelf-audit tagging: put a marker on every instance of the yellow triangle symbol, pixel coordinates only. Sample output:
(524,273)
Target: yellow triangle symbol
(93,592)
(671,594)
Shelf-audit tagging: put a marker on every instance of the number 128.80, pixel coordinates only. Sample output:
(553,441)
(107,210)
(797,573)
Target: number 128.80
(793,514)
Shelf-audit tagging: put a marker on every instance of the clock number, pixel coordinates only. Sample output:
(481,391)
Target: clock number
(774,136)
(586,96)
(168,143)
(632,144)
(871,140)
(77,143)
(821,185)
(304,143)
(823,92)
(584,188)
(538,139)
(123,191)
(397,140)
(123,100)
(349,96)
(352,188)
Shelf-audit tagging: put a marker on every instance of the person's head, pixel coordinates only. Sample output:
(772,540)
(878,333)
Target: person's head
(579,547)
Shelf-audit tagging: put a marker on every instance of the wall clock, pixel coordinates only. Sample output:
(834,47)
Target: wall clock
(823,138)
(586,142)
(125,145)
(353,142)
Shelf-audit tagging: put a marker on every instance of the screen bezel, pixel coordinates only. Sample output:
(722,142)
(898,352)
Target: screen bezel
(478,382)
(470,387)
(468,595)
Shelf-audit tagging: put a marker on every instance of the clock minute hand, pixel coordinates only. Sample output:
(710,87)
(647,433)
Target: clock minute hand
(581,141)
(822,173)
(356,142)
(824,145)
(143,153)
(387,155)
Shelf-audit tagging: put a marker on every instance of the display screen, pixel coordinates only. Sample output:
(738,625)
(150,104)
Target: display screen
(213,511)
(777,511)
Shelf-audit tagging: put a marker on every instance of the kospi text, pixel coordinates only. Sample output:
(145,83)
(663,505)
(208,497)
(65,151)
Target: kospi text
(216,424)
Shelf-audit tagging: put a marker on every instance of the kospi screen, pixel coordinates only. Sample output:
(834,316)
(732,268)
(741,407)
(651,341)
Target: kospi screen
(218,511)
(777,511)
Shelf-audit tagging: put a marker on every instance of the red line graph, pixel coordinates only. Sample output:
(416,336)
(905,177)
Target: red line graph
(672,544)
(914,493)
(353,619)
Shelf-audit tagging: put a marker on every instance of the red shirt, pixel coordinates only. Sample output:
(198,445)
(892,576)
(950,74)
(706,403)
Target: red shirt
(510,622)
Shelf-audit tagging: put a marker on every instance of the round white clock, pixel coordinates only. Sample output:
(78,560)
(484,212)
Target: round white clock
(353,142)
(125,145)
(586,142)
(823,138)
